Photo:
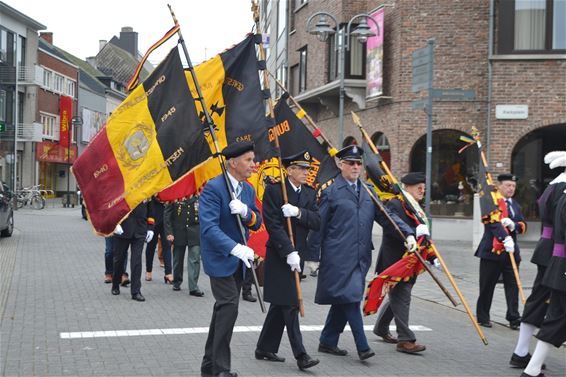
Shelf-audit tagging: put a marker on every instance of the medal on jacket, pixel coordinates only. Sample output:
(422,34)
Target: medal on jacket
(179,208)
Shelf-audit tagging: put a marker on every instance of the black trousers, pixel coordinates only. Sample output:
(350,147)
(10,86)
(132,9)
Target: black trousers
(489,273)
(226,292)
(553,328)
(248,282)
(537,303)
(278,317)
(166,247)
(121,246)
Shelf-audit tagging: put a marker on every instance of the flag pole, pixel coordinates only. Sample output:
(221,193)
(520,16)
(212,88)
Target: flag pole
(255,11)
(211,127)
(385,168)
(476,136)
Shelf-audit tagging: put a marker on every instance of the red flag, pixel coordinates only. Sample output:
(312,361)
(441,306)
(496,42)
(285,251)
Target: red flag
(66,113)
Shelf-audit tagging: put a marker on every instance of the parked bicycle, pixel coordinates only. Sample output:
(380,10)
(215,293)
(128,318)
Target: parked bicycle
(30,196)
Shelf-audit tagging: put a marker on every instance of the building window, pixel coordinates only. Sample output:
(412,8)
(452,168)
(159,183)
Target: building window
(294,80)
(47,77)
(281,75)
(382,144)
(21,51)
(532,26)
(299,3)
(3,45)
(355,60)
(70,88)
(349,140)
(2,106)
(303,69)
(50,126)
(58,82)
(281,17)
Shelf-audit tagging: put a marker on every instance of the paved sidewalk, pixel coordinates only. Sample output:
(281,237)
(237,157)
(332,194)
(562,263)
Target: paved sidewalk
(52,270)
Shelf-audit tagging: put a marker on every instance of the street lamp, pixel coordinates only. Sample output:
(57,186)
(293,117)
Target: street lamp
(76,121)
(323,30)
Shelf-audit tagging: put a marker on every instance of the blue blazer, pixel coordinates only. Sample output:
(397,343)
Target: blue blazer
(219,231)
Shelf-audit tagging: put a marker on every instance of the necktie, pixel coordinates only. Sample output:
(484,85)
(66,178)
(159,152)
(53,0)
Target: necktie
(355,188)
(238,190)
(510,208)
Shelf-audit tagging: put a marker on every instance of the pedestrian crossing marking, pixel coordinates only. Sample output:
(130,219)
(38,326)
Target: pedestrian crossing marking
(196,330)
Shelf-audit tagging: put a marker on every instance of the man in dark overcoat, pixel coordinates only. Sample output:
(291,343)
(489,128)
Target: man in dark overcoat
(494,263)
(224,253)
(347,214)
(283,257)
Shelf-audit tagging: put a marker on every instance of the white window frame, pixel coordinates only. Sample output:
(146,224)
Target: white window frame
(50,122)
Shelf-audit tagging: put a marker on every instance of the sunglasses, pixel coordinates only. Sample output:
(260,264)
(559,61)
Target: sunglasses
(352,163)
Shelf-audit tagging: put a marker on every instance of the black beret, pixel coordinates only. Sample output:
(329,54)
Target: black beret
(350,153)
(237,149)
(507,177)
(302,158)
(414,178)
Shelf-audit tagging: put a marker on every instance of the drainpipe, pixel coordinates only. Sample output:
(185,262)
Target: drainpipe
(489,80)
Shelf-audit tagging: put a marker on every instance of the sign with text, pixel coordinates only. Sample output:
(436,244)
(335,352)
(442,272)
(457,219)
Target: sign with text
(422,69)
(374,56)
(66,113)
(48,151)
(511,111)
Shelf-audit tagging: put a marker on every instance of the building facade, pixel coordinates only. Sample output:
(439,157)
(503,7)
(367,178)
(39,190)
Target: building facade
(510,54)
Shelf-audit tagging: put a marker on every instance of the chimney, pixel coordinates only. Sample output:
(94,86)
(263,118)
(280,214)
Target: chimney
(129,40)
(46,36)
(101,44)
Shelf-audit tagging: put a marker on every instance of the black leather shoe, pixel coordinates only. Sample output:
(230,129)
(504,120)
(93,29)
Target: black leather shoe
(115,291)
(487,324)
(366,354)
(176,288)
(528,375)
(206,371)
(314,273)
(197,293)
(302,276)
(305,362)
(138,297)
(249,298)
(227,374)
(331,350)
(514,325)
(269,356)
(521,361)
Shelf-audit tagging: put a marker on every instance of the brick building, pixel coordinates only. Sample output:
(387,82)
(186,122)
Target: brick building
(515,65)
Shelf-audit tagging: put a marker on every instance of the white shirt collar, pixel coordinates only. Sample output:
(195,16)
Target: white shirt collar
(294,187)
(233,181)
(560,179)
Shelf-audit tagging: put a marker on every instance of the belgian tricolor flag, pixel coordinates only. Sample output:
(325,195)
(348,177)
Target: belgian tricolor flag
(152,139)
(232,92)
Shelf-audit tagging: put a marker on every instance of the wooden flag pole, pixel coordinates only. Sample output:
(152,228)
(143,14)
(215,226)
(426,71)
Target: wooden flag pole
(255,10)
(385,168)
(211,128)
(476,136)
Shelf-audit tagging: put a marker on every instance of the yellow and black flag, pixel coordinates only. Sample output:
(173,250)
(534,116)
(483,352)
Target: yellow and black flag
(152,139)
(384,186)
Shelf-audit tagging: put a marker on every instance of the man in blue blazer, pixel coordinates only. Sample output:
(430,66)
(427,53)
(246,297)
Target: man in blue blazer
(493,263)
(224,253)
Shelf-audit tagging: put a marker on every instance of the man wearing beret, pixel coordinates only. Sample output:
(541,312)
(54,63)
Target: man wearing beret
(224,253)
(283,257)
(347,214)
(392,250)
(494,263)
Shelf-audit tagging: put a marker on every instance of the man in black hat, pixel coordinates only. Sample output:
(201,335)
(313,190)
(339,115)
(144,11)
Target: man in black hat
(283,257)
(224,254)
(392,250)
(347,213)
(493,262)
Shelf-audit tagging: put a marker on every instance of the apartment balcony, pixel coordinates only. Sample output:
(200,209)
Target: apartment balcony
(27,75)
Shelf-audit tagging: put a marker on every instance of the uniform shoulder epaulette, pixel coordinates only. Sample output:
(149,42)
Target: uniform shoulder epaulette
(269,179)
(323,187)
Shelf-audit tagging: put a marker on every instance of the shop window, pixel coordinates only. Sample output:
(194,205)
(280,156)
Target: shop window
(382,144)
(532,27)
(453,174)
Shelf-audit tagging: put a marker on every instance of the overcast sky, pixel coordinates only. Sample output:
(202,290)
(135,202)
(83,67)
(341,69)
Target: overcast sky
(208,26)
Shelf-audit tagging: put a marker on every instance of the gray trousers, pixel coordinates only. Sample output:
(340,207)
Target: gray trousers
(193,265)
(399,306)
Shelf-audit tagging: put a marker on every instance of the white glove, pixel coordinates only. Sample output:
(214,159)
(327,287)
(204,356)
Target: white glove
(411,243)
(508,223)
(436,263)
(290,210)
(238,208)
(509,244)
(149,236)
(294,261)
(118,230)
(422,230)
(245,253)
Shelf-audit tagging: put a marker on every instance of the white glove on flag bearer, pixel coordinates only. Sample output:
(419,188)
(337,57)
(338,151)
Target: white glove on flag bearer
(422,230)
(290,210)
(508,223)
(509,244)
(238,208)
(118,230)
(294,261)
(411,243)
(245,253)
(149,236)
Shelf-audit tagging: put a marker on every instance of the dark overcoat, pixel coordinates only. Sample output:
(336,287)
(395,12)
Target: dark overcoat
(345,241)
(279,282)
(180,219)
(547,204)
(138,222)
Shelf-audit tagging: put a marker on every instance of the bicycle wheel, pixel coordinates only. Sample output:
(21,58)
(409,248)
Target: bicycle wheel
(37,202)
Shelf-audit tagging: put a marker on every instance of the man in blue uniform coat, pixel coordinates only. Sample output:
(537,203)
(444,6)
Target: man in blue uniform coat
(347,214)
(493,264)
(224,254)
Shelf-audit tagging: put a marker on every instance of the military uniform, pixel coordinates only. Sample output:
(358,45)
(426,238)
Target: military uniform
(279,282)
(158,209)
(493,264)
(181,221)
